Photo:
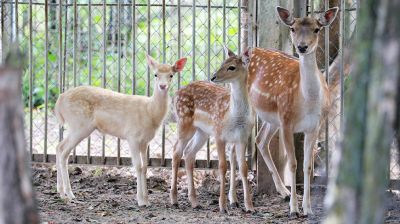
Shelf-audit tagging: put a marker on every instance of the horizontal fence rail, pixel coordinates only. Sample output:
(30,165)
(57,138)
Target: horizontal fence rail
(103,43)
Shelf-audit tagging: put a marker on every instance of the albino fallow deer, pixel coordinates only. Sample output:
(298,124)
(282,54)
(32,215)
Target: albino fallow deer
(203,109)
(131,117)
(292,95)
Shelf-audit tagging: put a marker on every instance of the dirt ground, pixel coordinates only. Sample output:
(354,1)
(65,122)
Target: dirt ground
(107,195)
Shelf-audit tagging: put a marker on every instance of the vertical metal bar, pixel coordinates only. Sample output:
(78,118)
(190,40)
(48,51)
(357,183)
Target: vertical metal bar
(133,47)
(2,29)
(46,72)
(208,66)
(119,72)
(179,40)
(88,158)
(16,22)
(148,68)
(239,27)
(194,40)
(65,44)
(224,26)
(312,7)
(60,56)
(75,38)
(104,72)
(327,80)
(148,46)
(164,61)
(30,80)
(341,47)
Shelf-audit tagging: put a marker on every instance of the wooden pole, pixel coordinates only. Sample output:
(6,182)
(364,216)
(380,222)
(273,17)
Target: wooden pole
(17,204)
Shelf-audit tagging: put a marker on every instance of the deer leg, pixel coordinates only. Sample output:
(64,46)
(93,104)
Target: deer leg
(241,148)
(222,172)
(309,142)
(289,145)
(195,144)
(65,147)
(232,186)
(263,139)
(180,145)
(135,148)
(143,155)
(60,187)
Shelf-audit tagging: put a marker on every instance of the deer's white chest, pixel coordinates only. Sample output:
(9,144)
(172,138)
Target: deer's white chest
(238,128)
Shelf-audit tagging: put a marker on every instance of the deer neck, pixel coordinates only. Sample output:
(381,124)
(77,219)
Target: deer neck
(158,104)
(239,104)
(309,77)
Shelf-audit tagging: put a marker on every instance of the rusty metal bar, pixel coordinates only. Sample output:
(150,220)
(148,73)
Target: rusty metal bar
(30,80)
(208,65)
(240,27)
(119,71)
(60,56)
(224,27)
(194,41)
(75,37)
(133,47)
(46,72)
(327,81)
(89,66)
(179,40)
(16,38)
(164,47)
(104,72)
(341,47)
(148,68)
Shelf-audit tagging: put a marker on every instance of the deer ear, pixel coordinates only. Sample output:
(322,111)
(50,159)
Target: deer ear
(153,64)
(179,65)
(327,18)
(228,52)
(285,16)
(246,56)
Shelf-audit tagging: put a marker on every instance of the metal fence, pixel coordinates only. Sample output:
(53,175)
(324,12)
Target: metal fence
(103,43)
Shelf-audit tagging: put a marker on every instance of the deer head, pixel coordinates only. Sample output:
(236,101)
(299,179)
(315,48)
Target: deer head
(233,68)
(304,31)
(164,73)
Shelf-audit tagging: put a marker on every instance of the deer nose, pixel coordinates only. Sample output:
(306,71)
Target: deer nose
(303,48)
(163,86)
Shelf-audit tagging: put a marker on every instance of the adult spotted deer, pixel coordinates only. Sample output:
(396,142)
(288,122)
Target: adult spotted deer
(291,95)
(203,109)
(134,118)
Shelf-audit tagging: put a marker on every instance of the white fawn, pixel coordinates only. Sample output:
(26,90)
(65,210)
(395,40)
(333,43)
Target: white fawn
(203,109)
(131,117)
(291,95)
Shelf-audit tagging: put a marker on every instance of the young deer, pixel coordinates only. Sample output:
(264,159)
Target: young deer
(292,95)
(134,118)
(203,109)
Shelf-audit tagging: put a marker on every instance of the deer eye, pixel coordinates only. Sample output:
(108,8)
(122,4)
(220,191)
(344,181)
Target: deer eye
(155,75)
(171,76)
(316,30)
(292,29)
(231,68)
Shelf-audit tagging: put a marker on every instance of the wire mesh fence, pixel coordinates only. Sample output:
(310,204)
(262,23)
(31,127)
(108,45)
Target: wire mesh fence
(104,43)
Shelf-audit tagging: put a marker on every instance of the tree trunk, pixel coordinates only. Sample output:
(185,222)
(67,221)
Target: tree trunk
(357,191)
(17,203)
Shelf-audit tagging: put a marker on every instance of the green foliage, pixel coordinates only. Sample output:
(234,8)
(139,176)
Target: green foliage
(107,66)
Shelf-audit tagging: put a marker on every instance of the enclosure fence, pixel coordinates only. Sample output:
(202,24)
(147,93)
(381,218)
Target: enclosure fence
(104,42)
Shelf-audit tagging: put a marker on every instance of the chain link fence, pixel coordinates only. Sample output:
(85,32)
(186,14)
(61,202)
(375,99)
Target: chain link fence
(103,43)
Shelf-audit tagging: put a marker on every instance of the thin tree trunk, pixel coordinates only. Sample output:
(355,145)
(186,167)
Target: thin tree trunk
(17,203)
(357,191)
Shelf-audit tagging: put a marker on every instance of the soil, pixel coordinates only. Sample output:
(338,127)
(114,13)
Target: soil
(107,195)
